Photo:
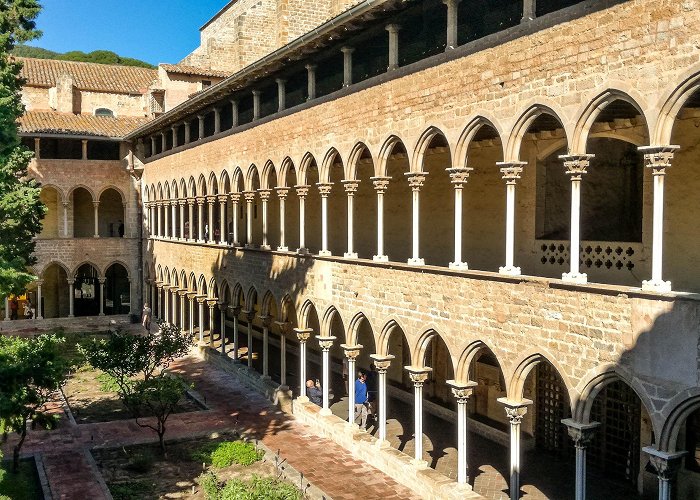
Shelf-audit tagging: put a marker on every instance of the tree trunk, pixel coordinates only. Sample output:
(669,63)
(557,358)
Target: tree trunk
(161,437)
(18,447)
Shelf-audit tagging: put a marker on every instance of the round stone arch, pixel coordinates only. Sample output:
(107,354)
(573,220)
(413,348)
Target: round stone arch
(423,143)
(514,141)
(679,409)
(202,286)
(91,263)
(120,262)
(517,376)
(587,116)
(58,263)
(213,289)
(224,182)
(670,105)
(86,188)
(461,149)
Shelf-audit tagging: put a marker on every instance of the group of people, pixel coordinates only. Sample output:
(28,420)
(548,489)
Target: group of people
(29,312)
(365,394)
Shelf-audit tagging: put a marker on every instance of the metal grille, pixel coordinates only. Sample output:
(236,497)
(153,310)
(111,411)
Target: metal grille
(552,403)
(615,449)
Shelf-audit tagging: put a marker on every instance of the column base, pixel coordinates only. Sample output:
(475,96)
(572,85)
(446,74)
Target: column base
(283,249)
(352,427)
(416,262)
(101,314)
(71,315)
(325,253)
(265,247)
(579,278)
(509,270)
(303,399)
(380,258)
(459,266)
(382,444)
(656,286)
(39,317)
(419,464)
(264,377)
(325,412)
(199,241)
(223,244)
(350,255)
(303,251)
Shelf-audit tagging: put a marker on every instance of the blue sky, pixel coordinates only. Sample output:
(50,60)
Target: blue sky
(152,30)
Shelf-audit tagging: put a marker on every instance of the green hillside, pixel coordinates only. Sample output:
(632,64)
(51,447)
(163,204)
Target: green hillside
(96,56)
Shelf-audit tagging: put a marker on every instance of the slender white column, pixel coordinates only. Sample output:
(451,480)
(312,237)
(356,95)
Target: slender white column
(181,233)
(200,318)
(182,294)
(217,120)
(191,297)
(351,352)
(281,94)
(222,219)
(347,65)
(173,219)
(234,112)
(266,334)
(303,335)
(325,190)
(38,314)
(188,132)
(71,296)
(382,364)
(515,412)
(418,376)
(236,311)
(416,180)
(311,81)
(166,219)
(459,178)
(393,30)
(575,166)
(211,304)
(380,186)
(667,465)
(256,104)
(166,303)
(96,205)
(302,192)
(462,392)
(350,189)
(7,309)
(658,159)
(511,173)
(65,219)
(200,220)
(264,198)
(249,199)
(282,195)
(249,327)
(326,343)
(452,25)
(190,218)
(200,129)
(235,199)
(102,296)
(159,216)
(283,358)
(210,222)
(581,434)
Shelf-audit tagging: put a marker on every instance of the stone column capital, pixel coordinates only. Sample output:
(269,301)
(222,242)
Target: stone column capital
(515,410)
(211,198)
(222,198)
(393,28)
(96,203)
(350,186)
(249,196)
(418,374)
(182,292)
(310,67)
(462,391)
(326,342)
(666,464)
(235,197)
(200,117)
(235,310)
(382,363)
(256,92)
(39,282)
(324,188)
(201,299)
(347,50)
(351,351)
(303,334)
(266,319)
(511,170)
(416,179)
(264,194)
(190,201)
(65,204)
(200,200)
(249,315)
(459,176)
(581,434)
(302,190)
(284,326)
(182,202)
(658,158)
(576,165)
(380,183)
(191,295)
(280,81)
(212,302)
(71,281)
(282,192)
(102,281)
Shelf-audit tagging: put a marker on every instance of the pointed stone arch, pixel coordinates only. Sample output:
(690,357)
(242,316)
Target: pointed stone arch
(422,145)
(475,125)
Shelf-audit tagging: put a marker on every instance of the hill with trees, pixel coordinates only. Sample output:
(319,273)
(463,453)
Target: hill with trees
(96,56)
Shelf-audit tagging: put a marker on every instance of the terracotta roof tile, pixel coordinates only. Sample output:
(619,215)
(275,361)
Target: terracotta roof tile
(47,122)
(184,69)
(88,76)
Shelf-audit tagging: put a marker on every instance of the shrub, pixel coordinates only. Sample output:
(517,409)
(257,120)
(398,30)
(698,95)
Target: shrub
(260,488)
(140,462)
(221,455)
(129,490)
(210,485)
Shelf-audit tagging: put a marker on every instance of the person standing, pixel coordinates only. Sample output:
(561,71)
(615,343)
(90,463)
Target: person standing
(146,317)
(314,392)
(361,399)
(14,307)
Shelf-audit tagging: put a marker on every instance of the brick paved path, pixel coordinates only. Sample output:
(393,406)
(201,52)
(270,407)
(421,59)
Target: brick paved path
(325,464)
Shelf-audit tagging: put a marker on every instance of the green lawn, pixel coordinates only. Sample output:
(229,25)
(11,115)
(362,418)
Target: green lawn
(21,486)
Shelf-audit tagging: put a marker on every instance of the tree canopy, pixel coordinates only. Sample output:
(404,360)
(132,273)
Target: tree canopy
(96,56)
(21,209)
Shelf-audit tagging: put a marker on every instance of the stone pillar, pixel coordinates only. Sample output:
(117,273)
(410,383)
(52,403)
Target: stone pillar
(173,219)
(452,23)
(190,218)
(235,311)
(382,364)
(575,166)
(163,142)
(181,204)
(667,465)
(347,65)
(311,81)
(303,335)
(282,195)
(159,217)
(350,190)
(166,219)
(393,30)
(325,189)
(326,343)
(351,352)
(515,412)
(281,94)
(71,297)
(200,300)
(84,155)
(38,300)
(191,296)
(511,173)
(102,295)
(418,376)
(200,120)
(416,180)
(166,303)
(459,178)
(581,434)
(212,304)
(7,309)
(462,392)
(37,148)
(222,219)
(210,219)
(153,145)
(65,219)
(528,10)
(174,129)
(182,294)
(264,198)
(658,159)
(250,315)
(234,113)
(249,199)
(188,132)
(200,220)
(96,205)
(302,192)
(217,120)
(256,104)
(380,186)
(222,327)
(284,328)
(235,199)
(266,340)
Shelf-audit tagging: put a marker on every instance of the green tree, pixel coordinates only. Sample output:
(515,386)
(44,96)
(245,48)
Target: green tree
(137,363)
(31,371)
(21,210)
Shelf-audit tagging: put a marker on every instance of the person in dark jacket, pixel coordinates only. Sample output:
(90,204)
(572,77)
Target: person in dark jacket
(314,392)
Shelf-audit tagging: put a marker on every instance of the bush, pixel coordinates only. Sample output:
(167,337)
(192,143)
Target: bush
(257,488)
(210,485)
(129,490)
(221,455)
(140,462)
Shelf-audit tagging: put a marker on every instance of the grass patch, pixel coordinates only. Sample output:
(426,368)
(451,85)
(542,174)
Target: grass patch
(220,455)
(129,490)
(256,488)
(21,486)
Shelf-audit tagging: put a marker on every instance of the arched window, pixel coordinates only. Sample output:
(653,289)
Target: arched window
(104,112)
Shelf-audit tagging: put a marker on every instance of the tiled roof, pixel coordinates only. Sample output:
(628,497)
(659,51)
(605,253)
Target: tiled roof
(184,69)
(88,76)
(48,122)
